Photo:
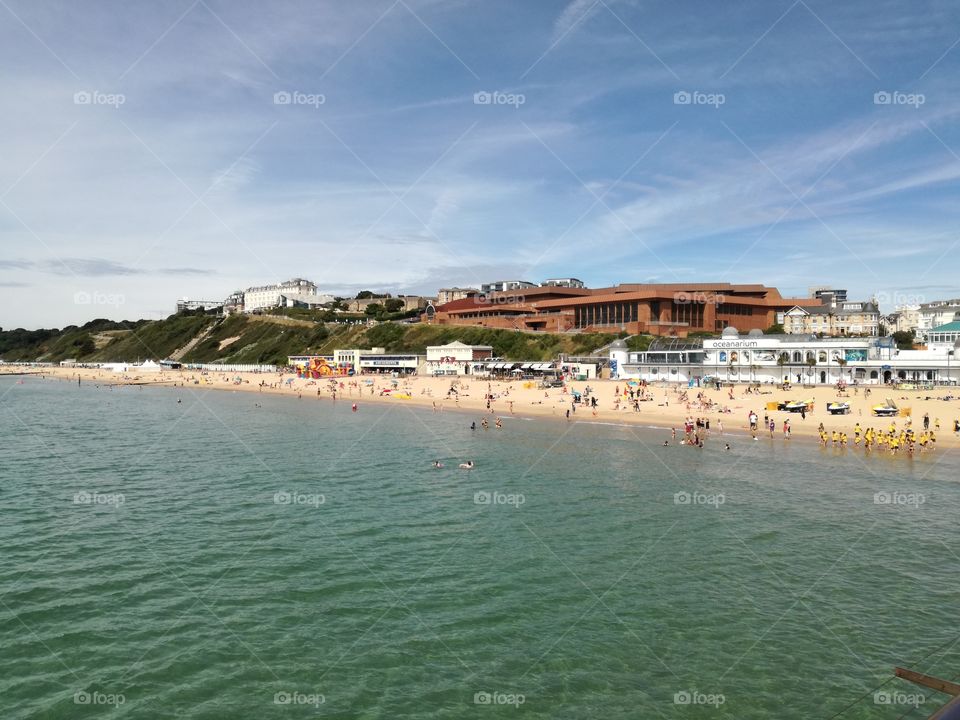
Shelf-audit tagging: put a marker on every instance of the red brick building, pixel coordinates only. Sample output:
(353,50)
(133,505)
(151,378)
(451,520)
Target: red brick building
(670,309)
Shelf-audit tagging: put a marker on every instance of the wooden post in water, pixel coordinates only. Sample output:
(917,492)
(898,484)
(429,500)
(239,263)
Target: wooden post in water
(950,711)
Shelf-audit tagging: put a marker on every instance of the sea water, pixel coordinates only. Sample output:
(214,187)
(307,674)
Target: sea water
(235,555)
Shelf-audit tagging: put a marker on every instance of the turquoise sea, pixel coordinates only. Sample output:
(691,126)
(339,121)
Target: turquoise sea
(215,559)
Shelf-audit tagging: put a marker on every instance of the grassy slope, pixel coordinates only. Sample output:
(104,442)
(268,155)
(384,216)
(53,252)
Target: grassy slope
(153,340)
(266,340)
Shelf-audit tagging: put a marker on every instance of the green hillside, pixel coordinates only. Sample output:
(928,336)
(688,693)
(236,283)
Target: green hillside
(267,339)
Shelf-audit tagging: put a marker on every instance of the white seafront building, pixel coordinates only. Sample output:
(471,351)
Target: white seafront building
(804,359)
(270,296)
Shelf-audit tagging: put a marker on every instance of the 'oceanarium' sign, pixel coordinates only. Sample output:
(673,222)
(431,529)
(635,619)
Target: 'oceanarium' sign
(730,344)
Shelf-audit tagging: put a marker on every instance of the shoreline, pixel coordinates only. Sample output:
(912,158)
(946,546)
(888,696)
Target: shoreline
(668,408)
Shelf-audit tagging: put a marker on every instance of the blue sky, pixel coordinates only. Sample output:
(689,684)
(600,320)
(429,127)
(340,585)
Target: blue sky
(146,153)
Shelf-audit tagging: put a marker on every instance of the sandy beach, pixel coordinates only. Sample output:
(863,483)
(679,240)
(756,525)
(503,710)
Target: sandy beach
(666,406)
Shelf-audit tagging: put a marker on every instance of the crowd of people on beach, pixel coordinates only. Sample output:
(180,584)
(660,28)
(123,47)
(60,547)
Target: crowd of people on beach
(893,439)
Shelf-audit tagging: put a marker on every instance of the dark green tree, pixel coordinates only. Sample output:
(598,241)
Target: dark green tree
(903,339)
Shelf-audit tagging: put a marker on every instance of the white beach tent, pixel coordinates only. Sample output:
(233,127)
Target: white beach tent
(147,366)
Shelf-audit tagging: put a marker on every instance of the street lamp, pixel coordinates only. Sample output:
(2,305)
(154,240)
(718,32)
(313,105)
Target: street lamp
(956,346)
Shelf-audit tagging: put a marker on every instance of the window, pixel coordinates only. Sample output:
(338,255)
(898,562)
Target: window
(723,356)
(729,309)
(690,313)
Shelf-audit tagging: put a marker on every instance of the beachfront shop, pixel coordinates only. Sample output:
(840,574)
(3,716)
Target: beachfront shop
(390,364)
(456,358)
(578,370)
(376,361)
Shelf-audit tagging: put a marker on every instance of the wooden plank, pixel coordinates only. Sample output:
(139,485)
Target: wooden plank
(934,683)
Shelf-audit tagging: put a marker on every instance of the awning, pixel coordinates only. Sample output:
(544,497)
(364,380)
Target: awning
(527,365)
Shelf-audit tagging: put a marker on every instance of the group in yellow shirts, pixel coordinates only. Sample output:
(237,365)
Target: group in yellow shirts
(892,439)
